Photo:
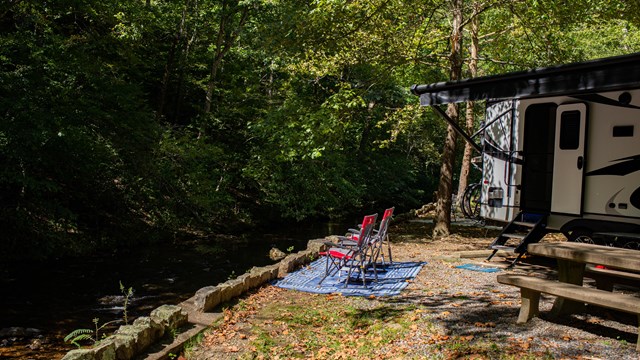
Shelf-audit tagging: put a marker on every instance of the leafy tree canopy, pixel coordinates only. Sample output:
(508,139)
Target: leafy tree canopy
(129,122)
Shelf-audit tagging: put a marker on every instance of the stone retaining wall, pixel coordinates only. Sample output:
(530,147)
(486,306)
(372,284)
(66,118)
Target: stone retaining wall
(132,340)
(209,297)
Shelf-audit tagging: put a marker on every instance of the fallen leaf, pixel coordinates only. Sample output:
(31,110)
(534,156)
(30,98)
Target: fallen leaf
(487,324)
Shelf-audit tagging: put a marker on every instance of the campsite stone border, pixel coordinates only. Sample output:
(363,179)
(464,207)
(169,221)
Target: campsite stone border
(137,339)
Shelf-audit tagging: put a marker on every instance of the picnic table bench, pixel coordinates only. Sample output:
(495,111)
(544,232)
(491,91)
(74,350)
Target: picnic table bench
(605,278)
(571,296)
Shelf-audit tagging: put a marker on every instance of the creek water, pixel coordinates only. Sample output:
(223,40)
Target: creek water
(59,296)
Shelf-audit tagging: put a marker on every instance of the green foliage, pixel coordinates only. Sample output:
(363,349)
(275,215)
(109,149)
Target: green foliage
(80,335)
(128,293)
(105,132)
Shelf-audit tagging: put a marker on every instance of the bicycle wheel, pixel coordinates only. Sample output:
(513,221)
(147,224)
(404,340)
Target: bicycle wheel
(471,201)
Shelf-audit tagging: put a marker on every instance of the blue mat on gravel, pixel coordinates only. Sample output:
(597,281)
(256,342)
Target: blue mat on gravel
(474,267)
(392,279)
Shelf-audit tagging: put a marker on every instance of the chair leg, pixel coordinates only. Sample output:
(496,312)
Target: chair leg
(326,270)
(375,271)
(389,249)
(346,281)
(329,265)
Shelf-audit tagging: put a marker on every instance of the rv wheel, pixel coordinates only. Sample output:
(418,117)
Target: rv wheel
(582,236)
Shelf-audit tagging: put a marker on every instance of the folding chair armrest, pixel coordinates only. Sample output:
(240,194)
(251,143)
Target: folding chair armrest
(354,231)
(342,243)
(349,243)
(342,240)
(329,244)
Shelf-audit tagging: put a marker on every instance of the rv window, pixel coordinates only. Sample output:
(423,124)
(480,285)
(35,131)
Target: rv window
(623,131)
(570,130)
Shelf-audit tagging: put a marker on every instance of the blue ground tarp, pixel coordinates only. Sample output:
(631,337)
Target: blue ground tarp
(474,267)
(392,279)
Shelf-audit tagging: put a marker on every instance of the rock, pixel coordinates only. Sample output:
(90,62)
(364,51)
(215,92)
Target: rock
(426,211)
(19,332)
(294,261)
(125,345)
(207,298)
(133,339)
(261,275)
(170,316)
(276,254)
(317,245)
(80,354)
(105,349)
(112,300)
(35,344)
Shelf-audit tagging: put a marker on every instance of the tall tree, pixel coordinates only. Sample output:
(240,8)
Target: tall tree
(445,186)
(469,114)
(232,18)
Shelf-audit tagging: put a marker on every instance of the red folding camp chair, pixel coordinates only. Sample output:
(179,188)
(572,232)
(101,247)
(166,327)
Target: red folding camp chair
(381,236)
(355,256)
(379,239)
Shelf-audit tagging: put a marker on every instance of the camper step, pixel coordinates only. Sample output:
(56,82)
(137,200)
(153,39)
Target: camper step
(524,223)
(514,236)
(510,249)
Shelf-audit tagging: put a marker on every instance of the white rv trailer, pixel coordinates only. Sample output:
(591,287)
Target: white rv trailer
(560,145)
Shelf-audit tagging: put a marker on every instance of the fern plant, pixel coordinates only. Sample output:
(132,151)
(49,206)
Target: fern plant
(78,335)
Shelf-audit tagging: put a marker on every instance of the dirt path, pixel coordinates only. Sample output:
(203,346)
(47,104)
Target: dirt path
(445,313)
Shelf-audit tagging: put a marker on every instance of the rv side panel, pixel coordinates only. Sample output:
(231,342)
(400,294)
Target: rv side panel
(499,196)
(612,177)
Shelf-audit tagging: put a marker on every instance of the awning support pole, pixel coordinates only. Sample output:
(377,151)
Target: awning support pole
(457,128)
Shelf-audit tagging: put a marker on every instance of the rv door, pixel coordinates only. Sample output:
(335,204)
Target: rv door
(569,161)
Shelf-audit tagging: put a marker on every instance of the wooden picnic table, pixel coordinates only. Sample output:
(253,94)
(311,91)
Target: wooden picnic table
(572,259)
(570,293)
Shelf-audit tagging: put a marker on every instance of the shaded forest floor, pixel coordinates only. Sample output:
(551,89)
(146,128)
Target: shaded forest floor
(445,313)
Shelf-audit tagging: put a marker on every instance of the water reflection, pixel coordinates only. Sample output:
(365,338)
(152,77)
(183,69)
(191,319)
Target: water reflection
(57,297)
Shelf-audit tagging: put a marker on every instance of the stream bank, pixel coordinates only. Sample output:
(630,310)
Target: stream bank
(59,296)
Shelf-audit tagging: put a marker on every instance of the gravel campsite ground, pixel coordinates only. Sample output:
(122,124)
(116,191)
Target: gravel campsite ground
(444,313)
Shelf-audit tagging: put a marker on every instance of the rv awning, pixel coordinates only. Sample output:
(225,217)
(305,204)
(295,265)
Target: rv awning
(606,74)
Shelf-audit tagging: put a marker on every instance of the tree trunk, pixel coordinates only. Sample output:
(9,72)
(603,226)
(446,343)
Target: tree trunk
(216,60)
(184,64)
(445,187)
(171,62)
(473,72)
(224,41)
